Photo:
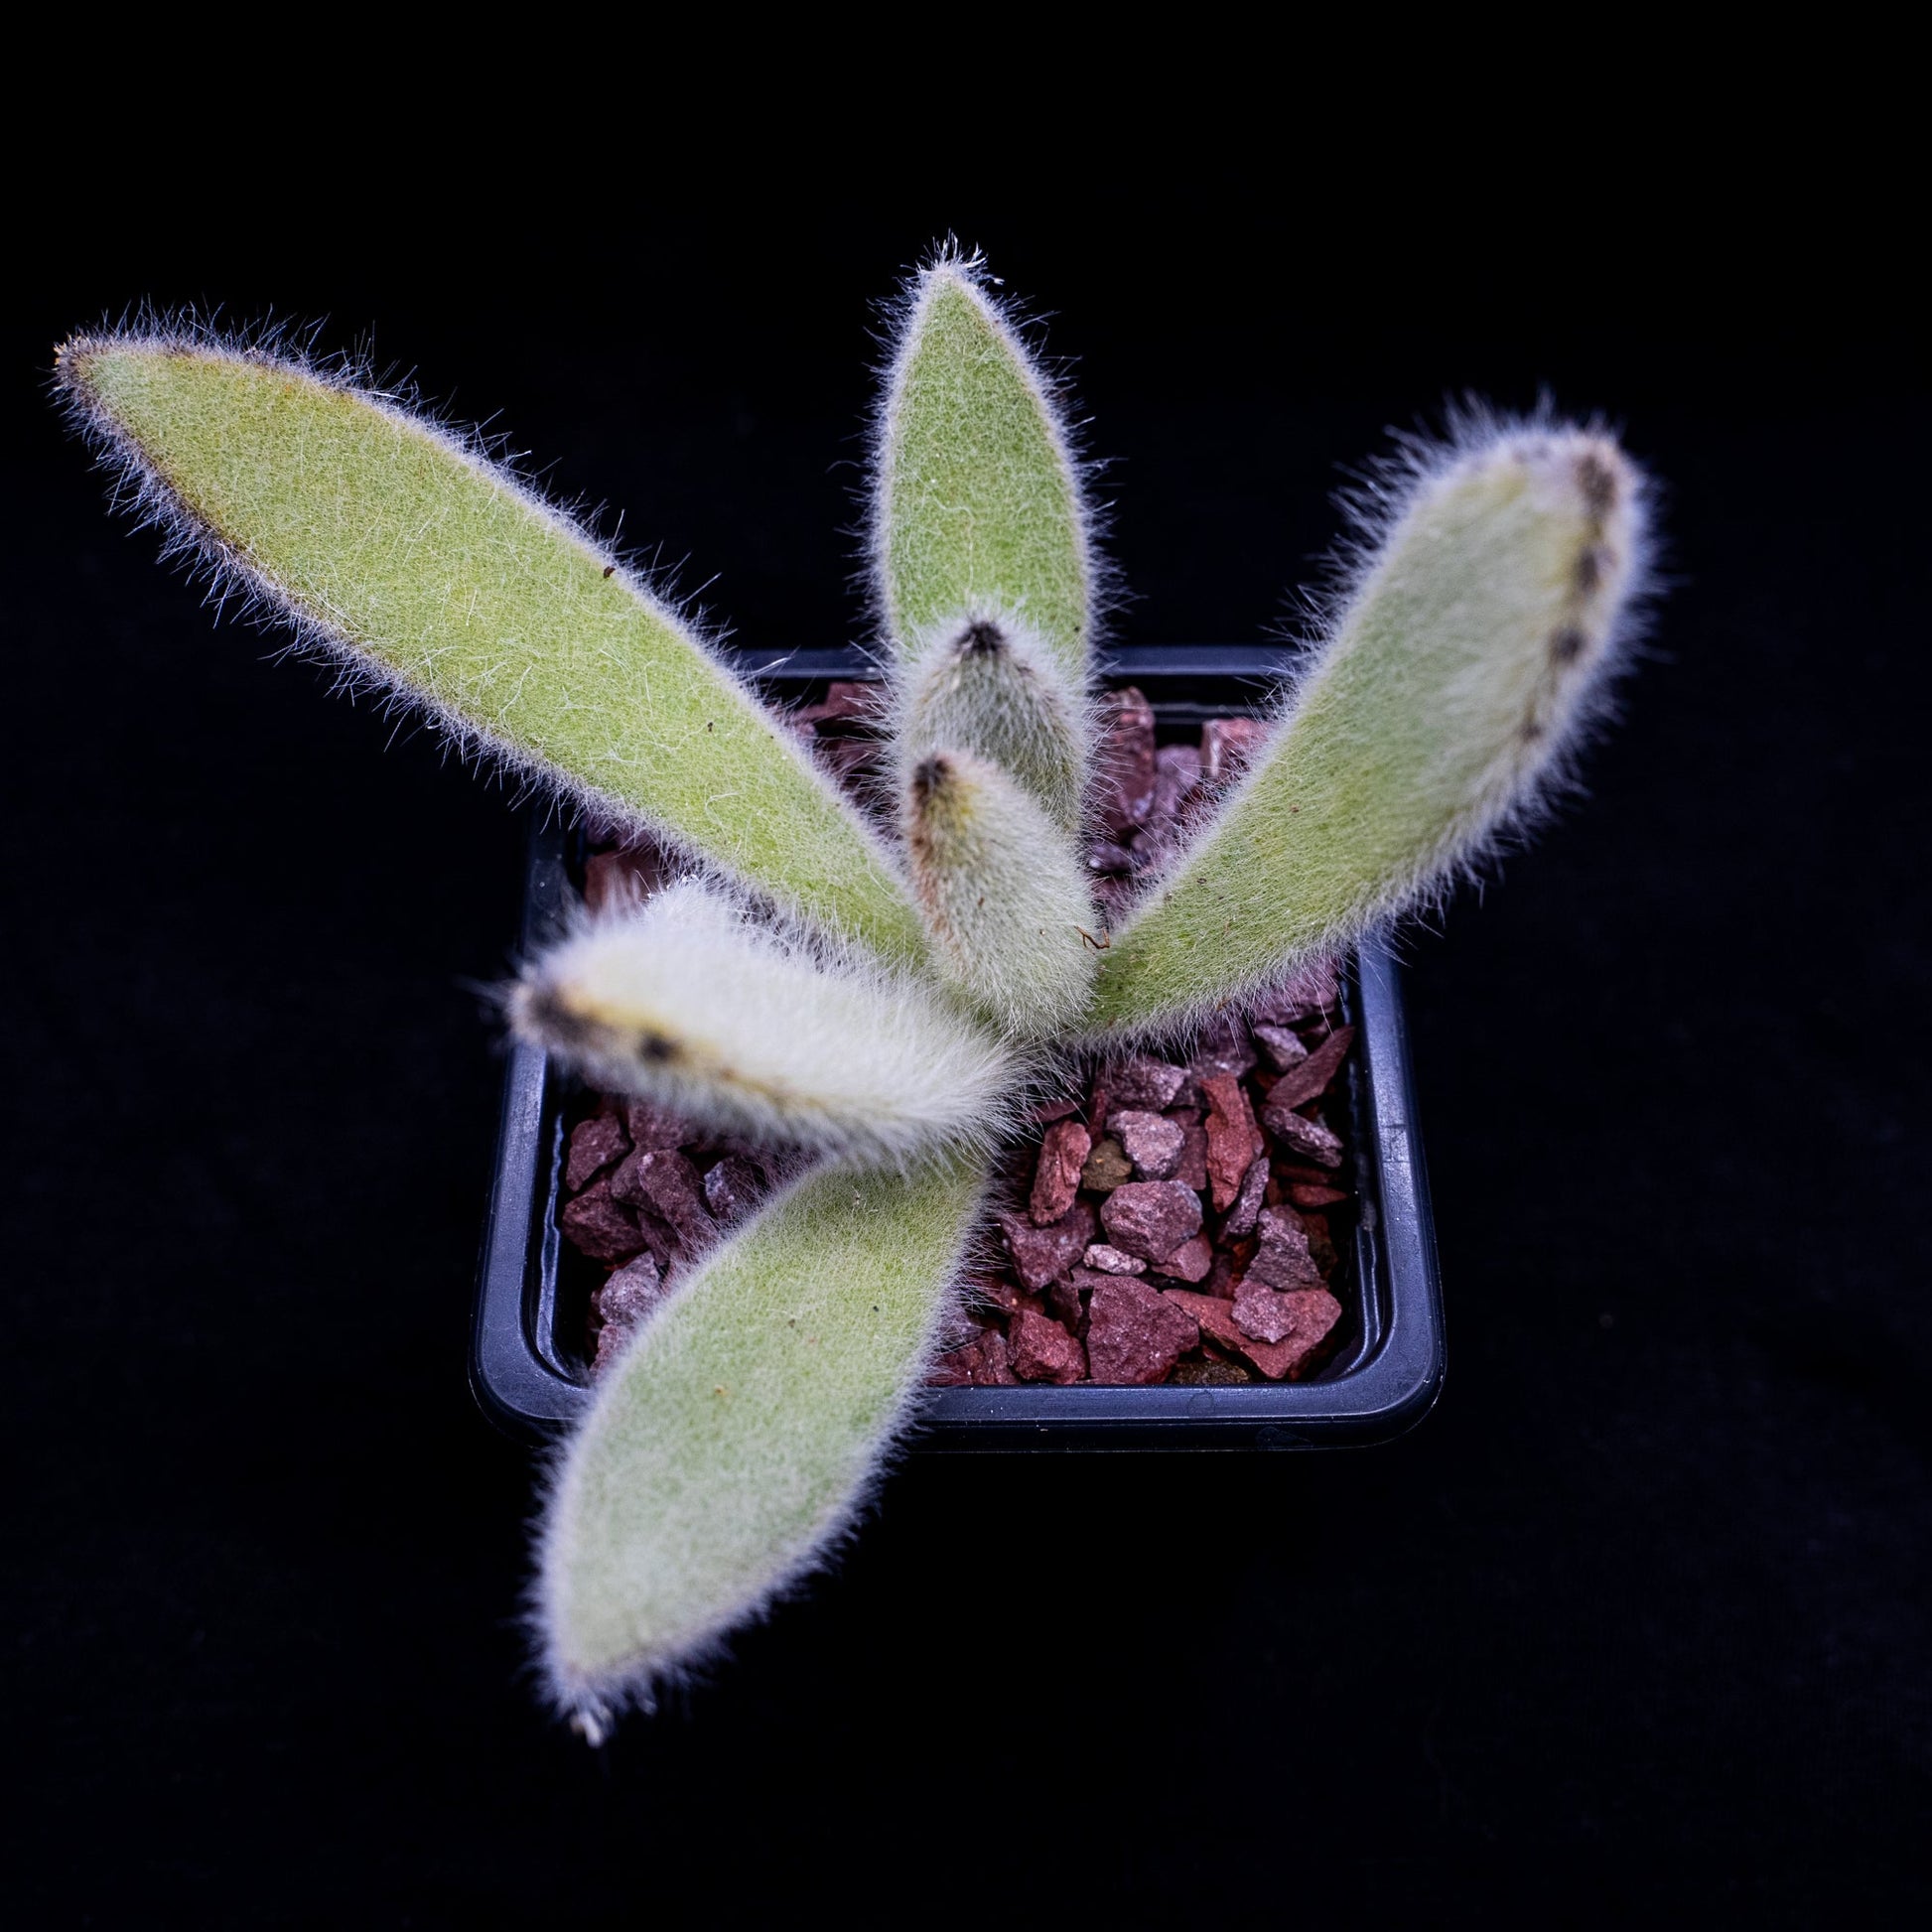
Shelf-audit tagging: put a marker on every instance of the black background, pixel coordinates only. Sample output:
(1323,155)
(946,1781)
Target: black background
(1637,1618)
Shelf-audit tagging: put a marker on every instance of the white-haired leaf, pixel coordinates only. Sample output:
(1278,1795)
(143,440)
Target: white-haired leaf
(986,683)
(1002,890)
(687,1001)
(977,502)
(441,577)
(1454,683)
(736,1439)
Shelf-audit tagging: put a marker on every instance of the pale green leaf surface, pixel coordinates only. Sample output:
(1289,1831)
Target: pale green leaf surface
(687,1001)
(451,582)
(990,686)
(977,505)
(734,1439)
(1004,893)
(1455,679)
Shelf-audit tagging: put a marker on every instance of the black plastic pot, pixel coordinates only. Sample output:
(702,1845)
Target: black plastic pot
(1382,1380)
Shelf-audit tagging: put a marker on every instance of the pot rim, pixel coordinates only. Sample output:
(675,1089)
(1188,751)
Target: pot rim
(1384,1385)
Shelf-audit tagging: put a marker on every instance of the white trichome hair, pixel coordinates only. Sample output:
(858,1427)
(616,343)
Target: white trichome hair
(237,588)
(983,682)
(736,1442)
(427,570)
(689,1000)
(1490,592)
(1002,892)
(1065,587)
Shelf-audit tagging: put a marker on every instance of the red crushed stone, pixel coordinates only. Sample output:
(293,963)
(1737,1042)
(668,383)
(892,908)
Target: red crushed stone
(1062,1154)
(651,1125)
(1140,1085)
(1282,1259)
(1193,1169)
(1281,1044)
(1135,1334)
(1042,1254)
(1151,1218)
(1041,1350)
(631,1293)
(733,1188)
(1303,1194)
(1241,1217)
(1289,1359)
(1226,745)
(1153,1141)
(1234,1141)
(1301,1134)
(595,1144)
(603,1228)
(663,1182)
(1192,1261)
(1309,1078)
(981,1364)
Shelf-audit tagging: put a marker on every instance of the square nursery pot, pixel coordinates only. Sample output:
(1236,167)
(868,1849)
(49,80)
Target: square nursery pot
(530,1375)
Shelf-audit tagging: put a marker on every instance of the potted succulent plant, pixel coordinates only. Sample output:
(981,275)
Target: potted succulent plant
(893,992)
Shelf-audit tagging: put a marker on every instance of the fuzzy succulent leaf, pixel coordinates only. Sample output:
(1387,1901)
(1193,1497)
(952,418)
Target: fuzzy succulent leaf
(687,1001)
(437,575)
(1002,892)
(986,683)
(734,1441)
(1454,683)
(977,502)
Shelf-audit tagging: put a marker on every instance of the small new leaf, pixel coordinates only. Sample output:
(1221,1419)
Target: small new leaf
(1001,890)
(986,683)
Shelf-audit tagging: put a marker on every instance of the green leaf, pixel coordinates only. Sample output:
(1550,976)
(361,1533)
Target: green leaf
(442,577)
(736,1439)
(1004,893)
(687,1001)
(977,504)
(1456,682)
(987,684)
